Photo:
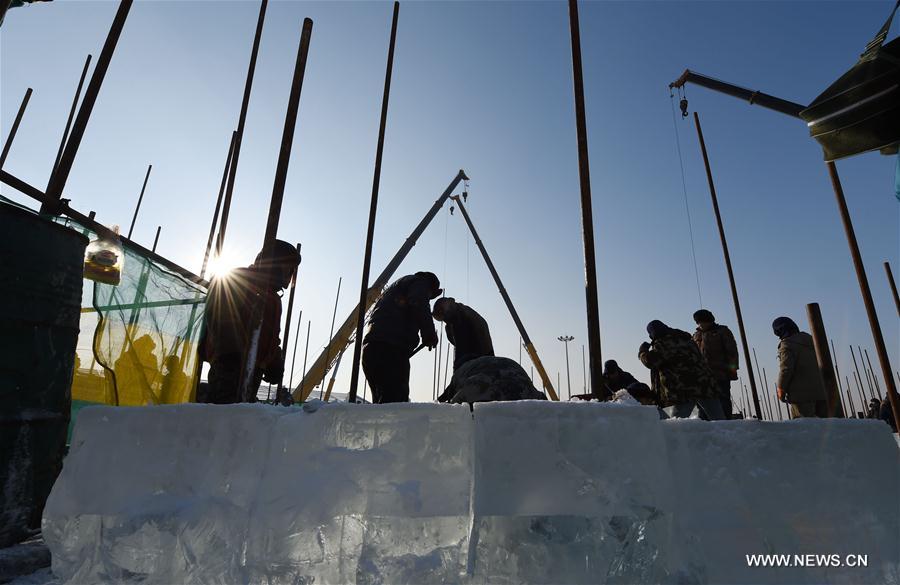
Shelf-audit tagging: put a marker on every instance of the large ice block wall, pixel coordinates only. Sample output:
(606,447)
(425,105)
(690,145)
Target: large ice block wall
(524,492)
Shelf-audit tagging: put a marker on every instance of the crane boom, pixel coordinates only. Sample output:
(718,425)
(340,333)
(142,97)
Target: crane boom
(754,97)
(345,333)
(529,347)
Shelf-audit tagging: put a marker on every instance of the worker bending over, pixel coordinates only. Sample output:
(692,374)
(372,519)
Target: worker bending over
(233,298)
(400,316)
(466,330)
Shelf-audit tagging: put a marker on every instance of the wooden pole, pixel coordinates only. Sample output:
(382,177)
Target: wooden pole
(767,403)
(65,136)
(877,337)
(858,375)
(281,170)
(890,277)
(373,209)
(15,126)
(279,391)
(587,214)
(850,399)
(137,207)
(859,391)
(60,174)
(583,370)
(837,373)
(752,375)
(734,292)
(305,355)
(215,218)
(242,118)
(823,356)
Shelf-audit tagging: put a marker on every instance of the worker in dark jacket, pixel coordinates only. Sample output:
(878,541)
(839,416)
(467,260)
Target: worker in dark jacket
(618,379)
(233,299)
(799,379)
(400,317)
(466,330)
(717,344)
(685,382)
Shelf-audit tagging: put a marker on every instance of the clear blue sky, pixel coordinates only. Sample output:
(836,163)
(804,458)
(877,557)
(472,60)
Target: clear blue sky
(486,87)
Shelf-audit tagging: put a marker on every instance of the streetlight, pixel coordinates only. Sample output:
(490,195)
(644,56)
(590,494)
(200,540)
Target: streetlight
(566,339)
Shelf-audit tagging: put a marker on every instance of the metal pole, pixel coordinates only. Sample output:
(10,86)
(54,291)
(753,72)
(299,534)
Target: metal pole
(331,334)
(15,126)
(587,214)
(566,339)
(439,352)
(279,391)
(850,399)
(858,375)
(837,373)
(823,355)
(305,355)
(766,392)
(583,369)
(878,338)
(65,136)
(373,208)
(215,219)
(529,346)
(874,379)
(752,380)
(731,282)
(245,102)
(866,372)
(294,355)
(137,208)
(281,170)
(447,361)
(777,403)
(890,277)
(434,370)
(520,350)
(156,239)
(859,390)
(60,174)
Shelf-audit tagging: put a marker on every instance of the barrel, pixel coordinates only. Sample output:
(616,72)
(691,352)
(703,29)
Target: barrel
(41,266)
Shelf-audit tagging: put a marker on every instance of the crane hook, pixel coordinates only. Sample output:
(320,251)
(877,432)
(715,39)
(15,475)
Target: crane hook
(683,104)
(451,210)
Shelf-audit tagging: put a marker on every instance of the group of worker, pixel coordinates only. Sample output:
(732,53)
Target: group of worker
(691,375)
(243,316)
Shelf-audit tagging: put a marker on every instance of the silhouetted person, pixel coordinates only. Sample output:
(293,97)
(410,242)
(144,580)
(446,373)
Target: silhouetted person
(717,344)
(466,330)
(400,316)
(618,379)
(684,380)
(799,380)
(133,387)
(175,381)
(233,298)
(887,414)
(874,409)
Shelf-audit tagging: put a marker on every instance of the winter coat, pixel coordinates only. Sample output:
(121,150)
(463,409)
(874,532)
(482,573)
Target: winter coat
(229,307)
(620,380)
(402,312)
(683,373)
(798,369)
(469,334)
(718,346)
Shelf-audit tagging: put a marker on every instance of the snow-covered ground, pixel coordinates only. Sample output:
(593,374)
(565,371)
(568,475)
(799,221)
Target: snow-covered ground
(534,491)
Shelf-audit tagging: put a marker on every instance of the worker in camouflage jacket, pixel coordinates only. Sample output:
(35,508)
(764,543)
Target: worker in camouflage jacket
(466,330)
(799,379)
(717,344)
(685,382)
(399,318)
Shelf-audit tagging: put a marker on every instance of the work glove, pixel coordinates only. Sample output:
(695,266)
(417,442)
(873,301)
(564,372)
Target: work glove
(430,338)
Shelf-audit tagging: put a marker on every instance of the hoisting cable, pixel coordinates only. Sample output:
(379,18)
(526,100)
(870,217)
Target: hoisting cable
(687,208)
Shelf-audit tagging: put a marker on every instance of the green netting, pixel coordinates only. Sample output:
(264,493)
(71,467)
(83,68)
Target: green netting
(138,339)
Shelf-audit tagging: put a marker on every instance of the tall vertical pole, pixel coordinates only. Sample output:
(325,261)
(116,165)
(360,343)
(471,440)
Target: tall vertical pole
(242,118)
(279,392)
(156,239)
(874,378)
(373,208)
(294,356)
(823,356)
(766,393)
(215,219)
(60,174)
(566,339)
(587,214)
(137,207)
(583,369)
(850,398)
(447,361)
(859,391)
(65,136)
(880,349)
(331,335)
(837,373)
(281,169)
(753,380)
(858,375)
(890,277)
(15,126)
(734,292)
(305,355)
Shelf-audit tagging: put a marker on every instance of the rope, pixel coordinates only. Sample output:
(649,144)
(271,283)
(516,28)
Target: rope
(687,207)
